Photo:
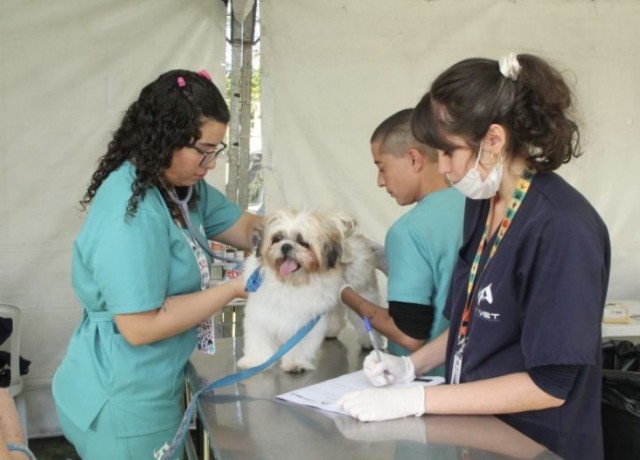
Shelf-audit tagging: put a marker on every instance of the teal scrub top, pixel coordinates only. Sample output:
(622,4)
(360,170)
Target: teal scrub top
(421,248)
(129,266)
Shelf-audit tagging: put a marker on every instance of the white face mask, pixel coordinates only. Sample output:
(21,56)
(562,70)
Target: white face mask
(472,186)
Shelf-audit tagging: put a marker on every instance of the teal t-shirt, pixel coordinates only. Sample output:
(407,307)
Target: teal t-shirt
(121,267)
(421,248)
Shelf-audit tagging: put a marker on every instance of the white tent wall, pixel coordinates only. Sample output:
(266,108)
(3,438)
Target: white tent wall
(68,71)
(333,70)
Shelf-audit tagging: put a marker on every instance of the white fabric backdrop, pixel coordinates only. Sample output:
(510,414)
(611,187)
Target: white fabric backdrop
(68,71)
(332,71)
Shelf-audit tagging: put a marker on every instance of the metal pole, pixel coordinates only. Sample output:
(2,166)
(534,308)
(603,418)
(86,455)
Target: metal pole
(242,42)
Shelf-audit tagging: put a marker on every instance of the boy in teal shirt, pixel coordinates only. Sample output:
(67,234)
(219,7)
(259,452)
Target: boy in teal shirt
(420,247)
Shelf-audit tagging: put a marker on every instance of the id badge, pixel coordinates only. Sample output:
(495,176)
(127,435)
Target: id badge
(206,341)
(206,329)
(456,368)
(206,337)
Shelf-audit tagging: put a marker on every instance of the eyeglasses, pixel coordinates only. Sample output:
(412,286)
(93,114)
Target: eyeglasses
(208,156)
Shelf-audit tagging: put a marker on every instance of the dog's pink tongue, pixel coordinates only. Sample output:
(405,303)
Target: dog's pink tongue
(287,267)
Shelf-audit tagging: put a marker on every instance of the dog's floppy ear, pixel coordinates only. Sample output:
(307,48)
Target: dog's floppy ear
(260,231)
(256,239)
(332,252)
(257,243)
(346,224)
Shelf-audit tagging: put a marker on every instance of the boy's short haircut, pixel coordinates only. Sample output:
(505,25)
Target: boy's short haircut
(395,137)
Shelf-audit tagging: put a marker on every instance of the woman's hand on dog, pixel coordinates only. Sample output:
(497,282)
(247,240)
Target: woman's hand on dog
(239,286)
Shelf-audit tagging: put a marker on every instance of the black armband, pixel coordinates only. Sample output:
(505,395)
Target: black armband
(413,319)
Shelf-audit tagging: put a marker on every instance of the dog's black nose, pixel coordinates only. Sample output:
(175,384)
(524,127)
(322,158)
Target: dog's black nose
(286,248)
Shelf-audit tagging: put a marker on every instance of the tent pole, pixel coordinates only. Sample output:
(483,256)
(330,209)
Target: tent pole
(242,42)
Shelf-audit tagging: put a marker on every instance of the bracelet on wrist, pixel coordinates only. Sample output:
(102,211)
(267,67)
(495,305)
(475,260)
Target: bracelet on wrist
(15,447)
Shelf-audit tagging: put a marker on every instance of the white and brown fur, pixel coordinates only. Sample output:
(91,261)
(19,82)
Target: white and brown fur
(305,257)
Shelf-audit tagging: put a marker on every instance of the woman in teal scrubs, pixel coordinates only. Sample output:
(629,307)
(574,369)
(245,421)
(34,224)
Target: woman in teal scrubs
(141,273)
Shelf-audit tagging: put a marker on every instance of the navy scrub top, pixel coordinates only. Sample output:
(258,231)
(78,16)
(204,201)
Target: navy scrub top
(539,302)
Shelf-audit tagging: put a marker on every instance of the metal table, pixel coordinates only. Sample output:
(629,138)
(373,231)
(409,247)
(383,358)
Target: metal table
(245,420)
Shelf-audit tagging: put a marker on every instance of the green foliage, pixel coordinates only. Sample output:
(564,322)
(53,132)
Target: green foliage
(256,79)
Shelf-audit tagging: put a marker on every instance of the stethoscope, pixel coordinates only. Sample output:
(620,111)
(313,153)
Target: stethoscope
(183,205)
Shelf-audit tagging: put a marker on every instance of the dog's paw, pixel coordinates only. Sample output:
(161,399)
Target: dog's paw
(332,333)
(297,368)
(247,361)
(364,341)
(365,344)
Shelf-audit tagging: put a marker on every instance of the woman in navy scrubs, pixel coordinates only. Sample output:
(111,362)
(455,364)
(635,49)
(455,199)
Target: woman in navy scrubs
(531,279)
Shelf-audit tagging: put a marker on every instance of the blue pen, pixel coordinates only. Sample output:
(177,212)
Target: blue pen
(374,342)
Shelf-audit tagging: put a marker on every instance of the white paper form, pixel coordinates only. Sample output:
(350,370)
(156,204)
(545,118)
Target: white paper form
(325,395)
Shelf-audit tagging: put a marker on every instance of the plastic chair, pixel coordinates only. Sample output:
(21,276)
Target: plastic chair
(16,383)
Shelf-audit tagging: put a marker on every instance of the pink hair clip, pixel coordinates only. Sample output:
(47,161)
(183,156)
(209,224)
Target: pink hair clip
(205,74)
(181,82)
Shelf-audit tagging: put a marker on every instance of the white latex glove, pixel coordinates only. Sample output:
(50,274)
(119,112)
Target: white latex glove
(389,369)
(342,288)
(377,404)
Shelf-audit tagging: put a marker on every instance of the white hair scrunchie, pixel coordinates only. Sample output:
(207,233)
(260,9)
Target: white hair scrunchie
(510,67)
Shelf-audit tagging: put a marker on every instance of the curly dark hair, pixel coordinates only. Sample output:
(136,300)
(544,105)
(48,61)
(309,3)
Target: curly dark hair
(534,109)
(165,117)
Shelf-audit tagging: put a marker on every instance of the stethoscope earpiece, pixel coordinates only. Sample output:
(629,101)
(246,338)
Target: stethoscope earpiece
(183,205)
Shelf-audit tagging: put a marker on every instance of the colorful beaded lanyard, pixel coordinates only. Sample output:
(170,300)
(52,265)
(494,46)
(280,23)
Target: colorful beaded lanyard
(522,187)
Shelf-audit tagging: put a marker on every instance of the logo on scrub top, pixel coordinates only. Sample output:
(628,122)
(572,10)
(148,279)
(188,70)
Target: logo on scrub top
(486,295)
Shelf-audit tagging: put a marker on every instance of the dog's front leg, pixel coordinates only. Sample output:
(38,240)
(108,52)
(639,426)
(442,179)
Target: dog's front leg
(300,358)
(258,348)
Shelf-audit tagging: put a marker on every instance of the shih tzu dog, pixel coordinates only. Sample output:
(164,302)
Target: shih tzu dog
(305,257)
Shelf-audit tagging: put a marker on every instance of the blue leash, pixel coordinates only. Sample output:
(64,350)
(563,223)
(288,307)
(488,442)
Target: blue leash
(253,282)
